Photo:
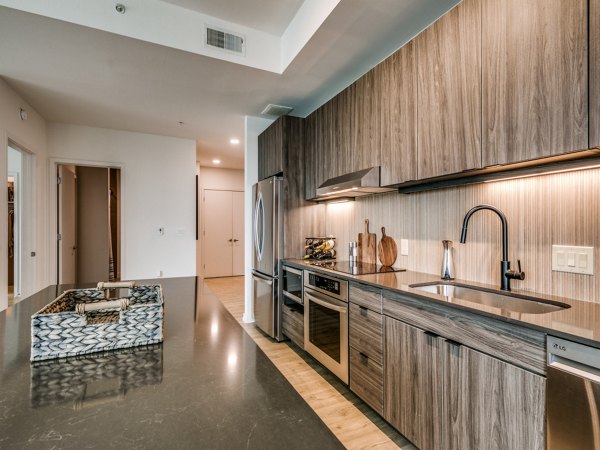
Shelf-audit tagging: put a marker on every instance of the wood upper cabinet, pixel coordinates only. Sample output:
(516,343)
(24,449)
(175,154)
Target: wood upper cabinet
(398,106)
(534,78)
(318,149)
(310,156)
(271,143)
(449,92)
(301,218)
(365,147)
(594,61)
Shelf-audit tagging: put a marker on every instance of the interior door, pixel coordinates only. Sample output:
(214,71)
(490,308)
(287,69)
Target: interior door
(238,233)
(67,225)
(218,240)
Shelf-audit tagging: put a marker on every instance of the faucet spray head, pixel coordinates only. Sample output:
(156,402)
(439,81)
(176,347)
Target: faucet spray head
(463,235)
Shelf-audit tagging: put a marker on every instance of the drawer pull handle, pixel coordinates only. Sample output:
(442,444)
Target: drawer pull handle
(363,311)
(363,356)
(453,343)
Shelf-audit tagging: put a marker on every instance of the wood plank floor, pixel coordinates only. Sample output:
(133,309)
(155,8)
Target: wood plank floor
(350,419)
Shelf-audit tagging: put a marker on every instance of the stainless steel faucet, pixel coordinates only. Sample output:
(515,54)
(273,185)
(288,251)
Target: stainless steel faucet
(506,274)
(447,263)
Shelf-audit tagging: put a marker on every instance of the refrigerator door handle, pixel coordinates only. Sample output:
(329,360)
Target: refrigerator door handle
(259,235)
(266,280)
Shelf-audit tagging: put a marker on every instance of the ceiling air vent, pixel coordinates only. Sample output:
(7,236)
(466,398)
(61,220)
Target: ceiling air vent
(225,40)
(277,110)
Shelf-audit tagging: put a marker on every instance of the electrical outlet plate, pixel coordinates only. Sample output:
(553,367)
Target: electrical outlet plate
(572,259)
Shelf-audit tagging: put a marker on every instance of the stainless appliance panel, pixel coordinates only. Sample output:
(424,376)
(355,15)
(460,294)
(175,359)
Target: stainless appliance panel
(267,227)
(292,284)
(573,396)
(333,287)
(265,298)
(326,322)
(326,331)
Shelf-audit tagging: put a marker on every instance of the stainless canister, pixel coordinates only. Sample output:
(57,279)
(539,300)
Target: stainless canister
(353,252)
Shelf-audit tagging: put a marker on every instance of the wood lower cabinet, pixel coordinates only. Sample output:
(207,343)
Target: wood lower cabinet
(412,389)
(443,395)
(535,78)
(449,92)
(490,404)
(292,322)
(366,379)
(366,344)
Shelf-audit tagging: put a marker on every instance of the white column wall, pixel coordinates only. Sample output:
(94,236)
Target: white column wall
(28,135)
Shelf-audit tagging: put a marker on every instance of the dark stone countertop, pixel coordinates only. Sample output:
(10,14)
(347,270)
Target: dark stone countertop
(207,385)
(580,322)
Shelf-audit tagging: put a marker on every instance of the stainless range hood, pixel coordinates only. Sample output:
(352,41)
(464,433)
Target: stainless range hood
(351,185)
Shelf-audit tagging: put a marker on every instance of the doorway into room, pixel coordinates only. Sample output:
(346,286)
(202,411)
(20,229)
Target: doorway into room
(20,223)
(223,233)
(88,224)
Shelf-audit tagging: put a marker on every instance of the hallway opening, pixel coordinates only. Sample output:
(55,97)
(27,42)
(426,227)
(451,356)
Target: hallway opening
(88,223)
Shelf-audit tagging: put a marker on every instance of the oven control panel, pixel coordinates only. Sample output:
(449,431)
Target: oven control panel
(325,283)
(328,285)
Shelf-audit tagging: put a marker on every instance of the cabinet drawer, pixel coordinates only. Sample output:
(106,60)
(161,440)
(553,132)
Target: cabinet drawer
(515,344)
(292,323)
(366,332)
(366,296)
(366,379)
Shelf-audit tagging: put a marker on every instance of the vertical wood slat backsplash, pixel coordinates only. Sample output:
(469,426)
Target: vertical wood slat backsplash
(561,209)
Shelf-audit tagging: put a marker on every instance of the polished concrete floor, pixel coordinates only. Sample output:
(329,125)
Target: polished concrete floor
(355,424)
(207,386)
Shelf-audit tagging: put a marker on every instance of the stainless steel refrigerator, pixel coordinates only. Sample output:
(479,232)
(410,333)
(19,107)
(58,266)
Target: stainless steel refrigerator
(267,236)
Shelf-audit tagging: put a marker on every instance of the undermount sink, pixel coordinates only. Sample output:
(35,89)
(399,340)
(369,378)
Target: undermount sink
(505,301)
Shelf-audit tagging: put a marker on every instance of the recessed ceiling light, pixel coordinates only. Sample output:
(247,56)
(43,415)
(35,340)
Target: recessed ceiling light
(120,8)
(216,161)
(234,141)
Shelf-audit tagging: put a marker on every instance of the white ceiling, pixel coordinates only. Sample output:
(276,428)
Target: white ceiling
(270,16)
(80,75)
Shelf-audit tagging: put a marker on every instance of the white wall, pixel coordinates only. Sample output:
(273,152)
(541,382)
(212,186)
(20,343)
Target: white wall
(217,179)
(221,179)
(14,161)
(157,190)
(29,135)
(253,126)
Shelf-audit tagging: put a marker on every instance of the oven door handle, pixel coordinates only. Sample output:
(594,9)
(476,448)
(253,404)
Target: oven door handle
(324,304)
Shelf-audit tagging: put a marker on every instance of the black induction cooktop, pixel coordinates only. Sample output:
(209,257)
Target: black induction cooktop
(355,268)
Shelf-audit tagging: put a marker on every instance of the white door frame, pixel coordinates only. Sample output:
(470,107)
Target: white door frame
(53,163)
(203,233)
(27,282)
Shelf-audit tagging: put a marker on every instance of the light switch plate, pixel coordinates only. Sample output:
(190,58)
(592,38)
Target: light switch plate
(404,247)
(573,259)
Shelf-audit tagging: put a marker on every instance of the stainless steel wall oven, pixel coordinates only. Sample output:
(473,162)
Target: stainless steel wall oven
(326,321)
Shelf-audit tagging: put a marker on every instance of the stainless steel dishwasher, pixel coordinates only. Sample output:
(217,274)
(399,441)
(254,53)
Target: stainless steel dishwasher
(573,396)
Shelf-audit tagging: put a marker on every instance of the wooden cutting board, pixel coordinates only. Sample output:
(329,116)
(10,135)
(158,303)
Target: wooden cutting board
(387,249)
(367,243)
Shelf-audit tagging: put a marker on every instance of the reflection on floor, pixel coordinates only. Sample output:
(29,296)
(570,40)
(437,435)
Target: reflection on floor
(11,296)
(350,419)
